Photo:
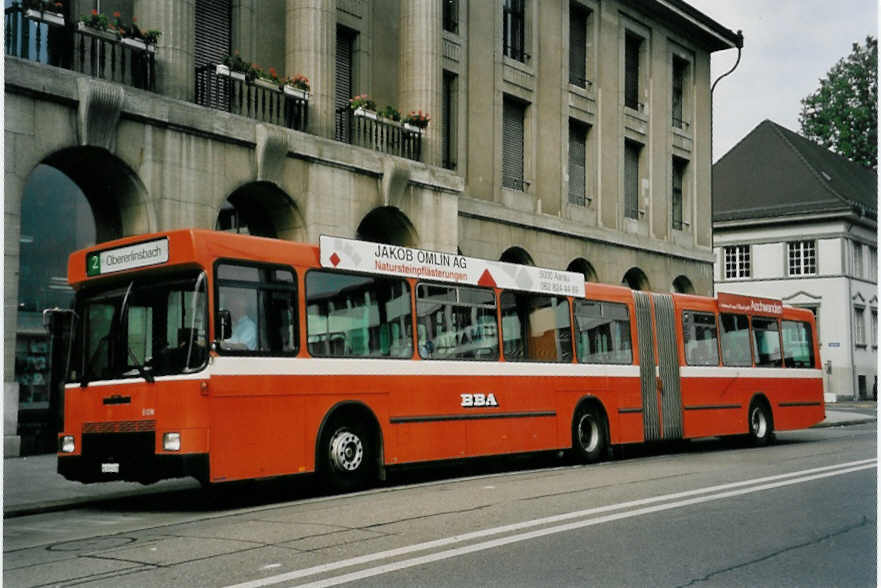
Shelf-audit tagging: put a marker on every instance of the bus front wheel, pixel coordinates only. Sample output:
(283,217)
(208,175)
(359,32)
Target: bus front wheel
(347,455)
(588,434)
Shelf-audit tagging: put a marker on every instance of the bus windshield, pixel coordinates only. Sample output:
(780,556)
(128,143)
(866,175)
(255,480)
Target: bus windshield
(142,328)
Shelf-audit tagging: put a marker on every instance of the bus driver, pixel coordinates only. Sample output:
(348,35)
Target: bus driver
(244,329)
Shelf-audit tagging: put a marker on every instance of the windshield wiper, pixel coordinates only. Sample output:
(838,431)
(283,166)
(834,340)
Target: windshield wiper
(122,315)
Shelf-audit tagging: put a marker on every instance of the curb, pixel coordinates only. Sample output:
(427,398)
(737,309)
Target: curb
(862,421)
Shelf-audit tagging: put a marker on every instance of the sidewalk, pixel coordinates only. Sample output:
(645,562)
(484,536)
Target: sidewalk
(31,484)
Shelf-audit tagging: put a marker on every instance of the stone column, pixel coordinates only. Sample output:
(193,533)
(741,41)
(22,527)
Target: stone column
(175,51)
(310,49)
(421,69)
(244,28)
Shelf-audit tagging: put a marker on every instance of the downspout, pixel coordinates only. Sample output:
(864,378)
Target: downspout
(851,339)
(739,45)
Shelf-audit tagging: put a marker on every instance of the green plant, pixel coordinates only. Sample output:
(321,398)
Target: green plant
(362,101)
(235,63)
(417,118)
(44,5)
(390,112)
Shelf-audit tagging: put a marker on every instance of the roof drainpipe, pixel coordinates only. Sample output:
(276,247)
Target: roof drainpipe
(713,89)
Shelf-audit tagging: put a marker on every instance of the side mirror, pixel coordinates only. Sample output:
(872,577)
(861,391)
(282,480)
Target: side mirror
(224,325)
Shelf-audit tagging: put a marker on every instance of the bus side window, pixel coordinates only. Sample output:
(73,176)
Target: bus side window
(798,344)
(351,315)
(735,340)
(603,330)
(536,327)
(456,322)
(699,334)
(262,303)
(766,339)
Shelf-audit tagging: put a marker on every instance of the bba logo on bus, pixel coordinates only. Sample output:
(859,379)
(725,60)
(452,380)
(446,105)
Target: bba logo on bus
(478,400)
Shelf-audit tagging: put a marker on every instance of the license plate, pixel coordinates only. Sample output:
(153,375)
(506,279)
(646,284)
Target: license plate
(109,468)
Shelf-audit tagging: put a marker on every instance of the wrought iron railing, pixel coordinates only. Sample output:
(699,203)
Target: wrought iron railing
(46,37)
(233,93)
(366,129)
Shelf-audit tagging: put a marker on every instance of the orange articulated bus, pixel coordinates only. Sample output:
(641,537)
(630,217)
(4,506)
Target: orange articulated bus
(229,357)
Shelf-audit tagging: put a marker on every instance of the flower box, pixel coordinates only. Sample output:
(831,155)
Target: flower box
(223,70)
(365,113)
(295,92)
(52,18)
(137,44)
(86,29)
(413,128)
(268,84)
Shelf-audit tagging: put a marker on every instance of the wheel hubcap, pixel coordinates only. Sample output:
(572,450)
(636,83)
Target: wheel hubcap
(760,424)
(588,434)
(346,451)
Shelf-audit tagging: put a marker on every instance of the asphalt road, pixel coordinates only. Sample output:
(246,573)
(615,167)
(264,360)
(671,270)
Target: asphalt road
(802,512)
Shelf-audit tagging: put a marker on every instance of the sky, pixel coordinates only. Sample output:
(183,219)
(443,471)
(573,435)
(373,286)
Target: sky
(788,46)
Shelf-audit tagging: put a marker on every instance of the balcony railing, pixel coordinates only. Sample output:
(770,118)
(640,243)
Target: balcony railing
(46,37)
(231,92)
(366,129)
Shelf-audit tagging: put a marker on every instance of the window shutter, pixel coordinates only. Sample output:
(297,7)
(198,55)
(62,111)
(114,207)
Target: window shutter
(345,41)
(211,43)
(631,71)
(631,179)
(577,158)
(512,145)
(577,47)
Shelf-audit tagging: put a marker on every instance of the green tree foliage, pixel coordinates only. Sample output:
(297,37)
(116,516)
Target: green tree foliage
(842,114)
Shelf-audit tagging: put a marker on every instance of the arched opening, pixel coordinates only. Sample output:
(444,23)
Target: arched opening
(583,267)
(56,219)
(683,285)
(261,209)
(388,225)
(516,255)
(635,279)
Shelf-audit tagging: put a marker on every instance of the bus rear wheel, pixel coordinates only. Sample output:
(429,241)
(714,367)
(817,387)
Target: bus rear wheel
(347,456)
(761,429)
(588,434)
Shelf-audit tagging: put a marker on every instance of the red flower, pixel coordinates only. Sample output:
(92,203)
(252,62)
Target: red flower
(94,12)
(116,14)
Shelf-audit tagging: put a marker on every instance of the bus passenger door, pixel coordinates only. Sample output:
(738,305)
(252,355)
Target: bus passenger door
(661,395)
(668,362)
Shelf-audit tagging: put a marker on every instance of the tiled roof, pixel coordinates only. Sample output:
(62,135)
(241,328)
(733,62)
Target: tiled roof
(774,172)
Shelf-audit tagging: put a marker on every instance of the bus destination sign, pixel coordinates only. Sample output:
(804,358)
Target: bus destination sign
(349,254)
(738,303)
(129,257)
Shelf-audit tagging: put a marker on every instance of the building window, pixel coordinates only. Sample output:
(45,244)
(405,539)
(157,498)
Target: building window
(577,163)
(679,166)
(631,179)
(632,48)
(578,23)
(802,258)
(514,29)
(874,327)
(859,326)
(737,262)
(345,76)
(451,16)
(680,74)
(450,118)
(513,115)
(857,260)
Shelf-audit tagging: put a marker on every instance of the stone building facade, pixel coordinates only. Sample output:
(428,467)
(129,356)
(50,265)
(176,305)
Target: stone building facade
(571,134)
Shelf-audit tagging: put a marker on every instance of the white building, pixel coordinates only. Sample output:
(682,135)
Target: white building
(796,222)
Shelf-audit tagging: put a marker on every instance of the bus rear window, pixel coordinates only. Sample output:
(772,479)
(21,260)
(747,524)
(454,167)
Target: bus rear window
(798,344)
(535,327)
(456,322)
(602,332)
(349,315)
(766,338)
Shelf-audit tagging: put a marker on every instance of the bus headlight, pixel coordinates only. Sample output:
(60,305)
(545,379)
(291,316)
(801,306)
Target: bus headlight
(67,444)
(171,441)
